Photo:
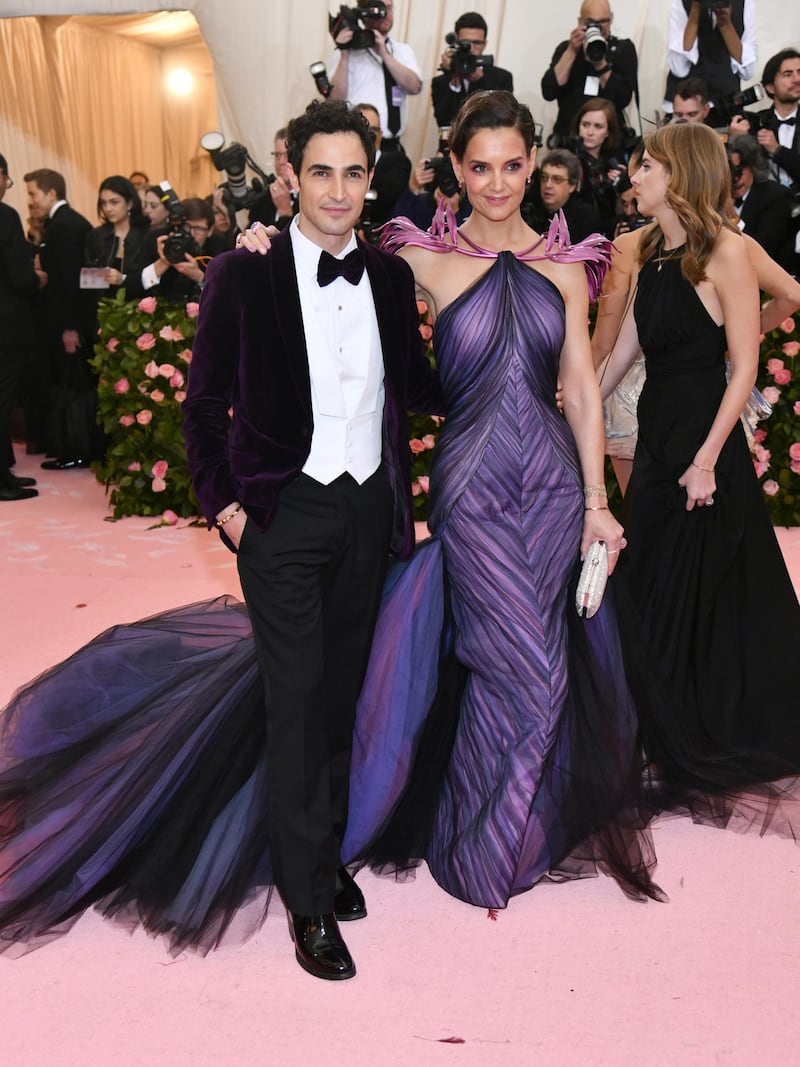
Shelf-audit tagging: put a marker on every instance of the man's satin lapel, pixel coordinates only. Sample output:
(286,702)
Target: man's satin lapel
(289,316)
(386,312)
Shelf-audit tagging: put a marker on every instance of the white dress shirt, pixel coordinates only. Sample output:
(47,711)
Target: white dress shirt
(681,61)
(345,364)
(366,83)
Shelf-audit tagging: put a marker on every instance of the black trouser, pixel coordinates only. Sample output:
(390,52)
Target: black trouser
(312,582)
(12,362)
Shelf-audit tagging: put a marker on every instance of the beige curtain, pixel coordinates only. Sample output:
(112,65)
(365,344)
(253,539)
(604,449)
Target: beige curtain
(90,104)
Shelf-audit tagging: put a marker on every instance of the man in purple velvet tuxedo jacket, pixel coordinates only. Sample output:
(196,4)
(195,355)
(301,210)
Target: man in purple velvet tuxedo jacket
(315,349)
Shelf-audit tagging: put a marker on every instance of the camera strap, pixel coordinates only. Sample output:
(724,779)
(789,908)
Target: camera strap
(393,93)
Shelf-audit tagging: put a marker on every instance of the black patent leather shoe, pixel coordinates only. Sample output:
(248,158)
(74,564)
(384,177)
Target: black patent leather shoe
(17,492)
(319,946)
(64,464)
(22,482)
(348,903)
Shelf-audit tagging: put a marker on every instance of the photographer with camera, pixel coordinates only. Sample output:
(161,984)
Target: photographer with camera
(714,40)
(183,251)
(591,63)
(690,102)
(368,65)
(554,189)
(465,68)
(283,190)
(763,205)
(432,180)
(777,129)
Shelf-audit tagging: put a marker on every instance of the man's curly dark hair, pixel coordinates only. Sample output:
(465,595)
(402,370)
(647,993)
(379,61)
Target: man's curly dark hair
(327,116)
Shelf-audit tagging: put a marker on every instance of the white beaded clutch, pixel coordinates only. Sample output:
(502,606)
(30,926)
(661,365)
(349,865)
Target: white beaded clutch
(592,580)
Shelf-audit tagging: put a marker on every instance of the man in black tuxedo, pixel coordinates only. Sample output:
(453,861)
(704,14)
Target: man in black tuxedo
(19,282)
(451,88)
(315,349)
(68,312)
(777,129)
(764,206)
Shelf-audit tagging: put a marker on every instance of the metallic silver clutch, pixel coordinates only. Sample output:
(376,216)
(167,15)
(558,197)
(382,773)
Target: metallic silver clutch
(592,580)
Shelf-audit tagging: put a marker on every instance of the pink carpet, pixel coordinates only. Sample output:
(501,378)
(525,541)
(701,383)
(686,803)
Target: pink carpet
(570,974)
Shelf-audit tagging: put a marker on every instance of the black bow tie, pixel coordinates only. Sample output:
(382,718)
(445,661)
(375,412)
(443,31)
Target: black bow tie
(350,268)
(788,122)
(738,201)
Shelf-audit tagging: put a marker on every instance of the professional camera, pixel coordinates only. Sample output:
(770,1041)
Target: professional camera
(351,18)
(463,61)
(728,106)
(179,241)
(233,160)
(444,177)
(595,45)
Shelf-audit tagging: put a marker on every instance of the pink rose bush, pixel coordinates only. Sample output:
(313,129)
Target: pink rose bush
(144,348)
(776,446)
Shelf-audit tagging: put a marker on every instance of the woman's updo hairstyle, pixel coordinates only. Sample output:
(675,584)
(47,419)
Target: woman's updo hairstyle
(491,109)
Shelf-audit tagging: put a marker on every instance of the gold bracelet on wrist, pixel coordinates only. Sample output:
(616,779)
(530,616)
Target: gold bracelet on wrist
(600,507)
(221,522)
(708,470)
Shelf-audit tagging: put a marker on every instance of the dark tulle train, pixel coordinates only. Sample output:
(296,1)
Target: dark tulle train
(495,735)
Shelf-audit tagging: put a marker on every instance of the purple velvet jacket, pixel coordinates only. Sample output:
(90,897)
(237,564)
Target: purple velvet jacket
(250,355)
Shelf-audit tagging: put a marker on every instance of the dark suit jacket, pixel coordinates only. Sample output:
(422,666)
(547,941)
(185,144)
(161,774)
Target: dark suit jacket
(250,354)
(62,256)
(18,282)
(389,181)
(446,102)
(766,216)
(787,158)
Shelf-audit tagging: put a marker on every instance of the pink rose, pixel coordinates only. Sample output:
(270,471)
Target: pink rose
(426,331)
(791,348)
(422,307)
(122,386)
(158,485)
(416,445)
(145,342)
(759,436)
(794,450)
(186,355)
(788,325)
(179,396)
(136,465)
(160,468)
(144,417)
(797,407)
(166,370)
(157,395)
(177,380)
(783,377)
(112,344)
(424,483)
(126,420)
(192,309)
(771,487)
(771,394)
(143,387)
(168,517)
(794,466)
(170,333)
(774,365)
(763,455)
(761,468)
(429,440)
(151,370)
(147,305)
(415,489)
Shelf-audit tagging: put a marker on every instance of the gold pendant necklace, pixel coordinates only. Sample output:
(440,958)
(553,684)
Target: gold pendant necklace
(674,253)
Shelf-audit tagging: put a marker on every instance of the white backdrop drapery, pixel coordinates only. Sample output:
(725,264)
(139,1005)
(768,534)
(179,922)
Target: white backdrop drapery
(261,50)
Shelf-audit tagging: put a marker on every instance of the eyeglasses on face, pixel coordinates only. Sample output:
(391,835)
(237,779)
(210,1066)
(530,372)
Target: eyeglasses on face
(553,179)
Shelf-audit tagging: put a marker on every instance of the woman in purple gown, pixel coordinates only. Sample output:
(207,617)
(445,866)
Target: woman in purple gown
(132,776)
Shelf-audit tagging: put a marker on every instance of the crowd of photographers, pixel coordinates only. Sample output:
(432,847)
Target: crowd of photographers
(150,241)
